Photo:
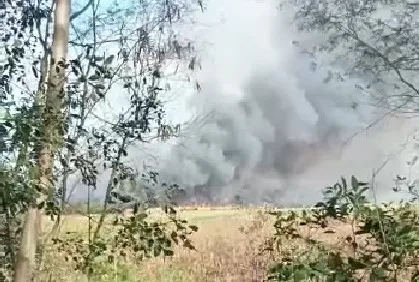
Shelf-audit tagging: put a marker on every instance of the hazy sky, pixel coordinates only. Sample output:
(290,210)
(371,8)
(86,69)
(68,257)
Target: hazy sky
(276,129)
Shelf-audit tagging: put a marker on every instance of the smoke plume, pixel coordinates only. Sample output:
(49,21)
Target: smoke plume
(276,128)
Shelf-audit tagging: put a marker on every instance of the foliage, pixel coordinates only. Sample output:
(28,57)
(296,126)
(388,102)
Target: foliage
(374,42)
(131,238)
(382,246)
(146,42)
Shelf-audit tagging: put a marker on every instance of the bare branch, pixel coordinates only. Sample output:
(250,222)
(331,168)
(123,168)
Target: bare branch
(81,11)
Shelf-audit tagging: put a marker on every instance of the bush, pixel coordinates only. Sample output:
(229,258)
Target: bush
(131,238)
(383,245)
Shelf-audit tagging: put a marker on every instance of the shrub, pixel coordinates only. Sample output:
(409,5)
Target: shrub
(384,241)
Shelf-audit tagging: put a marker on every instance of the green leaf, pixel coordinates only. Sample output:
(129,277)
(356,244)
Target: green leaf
(187,244)
(354,183)
(168,253)
(157,250)
(110,259)
(94,77)
(363,190)
(355,264)
(379,273)
(344,184)
(194,228)
(99,86)
(301,274)
(109,60)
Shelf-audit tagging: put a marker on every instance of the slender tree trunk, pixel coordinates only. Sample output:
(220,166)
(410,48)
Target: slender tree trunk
(51,134)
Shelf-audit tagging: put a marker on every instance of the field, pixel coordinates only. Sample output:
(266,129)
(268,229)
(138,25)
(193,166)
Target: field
(228,248)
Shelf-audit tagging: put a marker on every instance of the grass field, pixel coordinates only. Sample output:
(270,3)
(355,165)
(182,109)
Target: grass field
(228,243)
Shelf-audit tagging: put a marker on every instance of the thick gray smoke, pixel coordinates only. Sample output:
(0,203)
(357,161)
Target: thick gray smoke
(276,128)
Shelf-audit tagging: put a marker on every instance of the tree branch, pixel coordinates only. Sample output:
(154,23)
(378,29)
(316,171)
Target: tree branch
(81,11)
(380,55)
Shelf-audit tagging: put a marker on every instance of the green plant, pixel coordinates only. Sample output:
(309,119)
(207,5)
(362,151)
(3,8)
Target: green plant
(384,240)
(132,238)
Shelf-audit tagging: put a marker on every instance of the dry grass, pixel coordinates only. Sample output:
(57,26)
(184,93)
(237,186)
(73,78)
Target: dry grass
(228,245)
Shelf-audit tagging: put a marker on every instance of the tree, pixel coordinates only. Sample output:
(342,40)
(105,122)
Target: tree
(20,20)
(51,132)
(373,41)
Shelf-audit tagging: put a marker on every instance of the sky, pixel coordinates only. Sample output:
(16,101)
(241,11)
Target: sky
(264,127)
(279,131)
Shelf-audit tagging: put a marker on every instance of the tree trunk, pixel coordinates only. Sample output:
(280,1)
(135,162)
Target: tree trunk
(51,133)
(6,240)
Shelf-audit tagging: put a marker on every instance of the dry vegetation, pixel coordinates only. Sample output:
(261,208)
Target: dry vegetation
(229,246)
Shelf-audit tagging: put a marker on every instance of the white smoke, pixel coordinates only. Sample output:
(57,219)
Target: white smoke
(277,129)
